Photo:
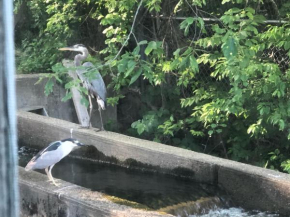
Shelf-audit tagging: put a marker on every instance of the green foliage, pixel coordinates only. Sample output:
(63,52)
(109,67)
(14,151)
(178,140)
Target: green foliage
(286,166)
(189,21)
(214,87)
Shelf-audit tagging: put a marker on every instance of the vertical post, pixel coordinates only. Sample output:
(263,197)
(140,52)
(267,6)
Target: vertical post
(8,147)
(81,110)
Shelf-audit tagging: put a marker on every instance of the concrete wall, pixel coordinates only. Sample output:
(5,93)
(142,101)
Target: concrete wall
(250,187)
(38,198)
(31,96)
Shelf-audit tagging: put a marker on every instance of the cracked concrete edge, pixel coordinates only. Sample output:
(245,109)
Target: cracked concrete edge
(39,197)
(230,175)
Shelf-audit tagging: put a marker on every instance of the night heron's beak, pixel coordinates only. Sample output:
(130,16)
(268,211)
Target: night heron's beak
(81,144)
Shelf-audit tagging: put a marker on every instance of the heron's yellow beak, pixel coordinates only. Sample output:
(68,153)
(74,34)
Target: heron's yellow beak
(65,48)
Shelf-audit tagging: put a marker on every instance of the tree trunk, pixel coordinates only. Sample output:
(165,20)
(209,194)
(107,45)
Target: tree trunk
(8,147)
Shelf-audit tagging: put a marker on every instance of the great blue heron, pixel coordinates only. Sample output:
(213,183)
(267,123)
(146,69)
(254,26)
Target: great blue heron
(96,87)
(52,154)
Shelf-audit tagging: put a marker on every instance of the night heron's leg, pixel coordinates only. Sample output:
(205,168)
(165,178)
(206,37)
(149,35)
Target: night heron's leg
(102,128)
(49,171)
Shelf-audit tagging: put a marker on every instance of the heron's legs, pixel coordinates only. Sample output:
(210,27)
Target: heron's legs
(49,172)
(102,128)
(91,109)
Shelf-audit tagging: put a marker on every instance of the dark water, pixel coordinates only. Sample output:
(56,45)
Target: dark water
(152,190)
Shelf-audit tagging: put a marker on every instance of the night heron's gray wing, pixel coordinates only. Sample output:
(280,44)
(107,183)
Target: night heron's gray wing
(46,157)
(97,84)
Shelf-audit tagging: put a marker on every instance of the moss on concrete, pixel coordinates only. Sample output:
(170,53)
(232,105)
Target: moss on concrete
(125,202)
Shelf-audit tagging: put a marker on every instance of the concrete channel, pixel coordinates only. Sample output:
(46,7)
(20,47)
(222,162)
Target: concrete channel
(250,187)
(39,198)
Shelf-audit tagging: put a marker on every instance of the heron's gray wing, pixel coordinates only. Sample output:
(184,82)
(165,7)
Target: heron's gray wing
(47,157)
(51,147)
(97,85)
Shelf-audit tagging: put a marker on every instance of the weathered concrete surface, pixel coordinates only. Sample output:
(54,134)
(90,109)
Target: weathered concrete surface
(256,188)
(250,187)
(31,95)
(39,131)
(40,198)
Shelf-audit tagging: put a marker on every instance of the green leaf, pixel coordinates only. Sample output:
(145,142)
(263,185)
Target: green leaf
(287,45)
(186,24)
(166,66)
(250,10)
(193,63)
(67,97)
(139,126)
(187,52)
(136,76)
(122,65)
(176,53)
(229,48)
(40,80)
(219,130)
(48,87)
(142,42)
(131,67)
(201,22)
(84,101)
(131,64)
(136,50)
(250,15)
(83,90)
(69,85)
(281,124)
(184,63)
(213,125)
(151,46)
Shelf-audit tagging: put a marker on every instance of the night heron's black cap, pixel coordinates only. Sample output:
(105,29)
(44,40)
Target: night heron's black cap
(75,141)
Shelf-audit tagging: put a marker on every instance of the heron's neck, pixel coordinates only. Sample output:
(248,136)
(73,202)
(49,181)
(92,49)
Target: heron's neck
(80,57)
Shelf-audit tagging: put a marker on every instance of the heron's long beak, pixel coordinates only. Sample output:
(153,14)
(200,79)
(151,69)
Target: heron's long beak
(66,48)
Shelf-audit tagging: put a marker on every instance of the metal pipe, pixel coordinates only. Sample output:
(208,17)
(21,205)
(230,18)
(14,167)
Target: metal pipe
(9,206)
(206,19)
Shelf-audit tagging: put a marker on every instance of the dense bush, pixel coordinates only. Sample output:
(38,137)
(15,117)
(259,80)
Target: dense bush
(219,86)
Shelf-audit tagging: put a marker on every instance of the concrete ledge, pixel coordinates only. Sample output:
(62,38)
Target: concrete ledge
(39,131)
(39,198)
(256,188)
(250,187)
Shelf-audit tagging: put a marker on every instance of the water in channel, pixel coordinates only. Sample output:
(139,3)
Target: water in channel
(234,212)
(152,190)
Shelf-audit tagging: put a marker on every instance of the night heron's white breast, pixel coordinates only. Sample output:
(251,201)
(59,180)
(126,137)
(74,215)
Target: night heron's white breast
(48,158)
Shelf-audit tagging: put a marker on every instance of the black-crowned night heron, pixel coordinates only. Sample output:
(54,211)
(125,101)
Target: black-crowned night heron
(96,86)
(52,154)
